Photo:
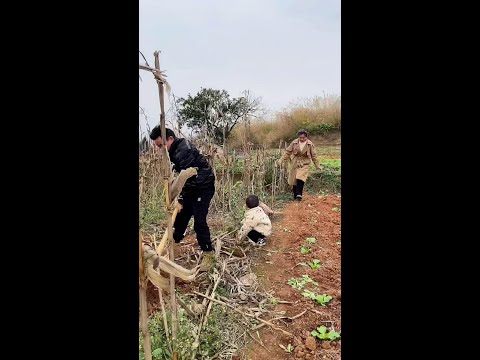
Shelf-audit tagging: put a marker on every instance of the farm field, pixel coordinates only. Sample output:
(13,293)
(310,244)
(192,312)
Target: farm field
(293,283)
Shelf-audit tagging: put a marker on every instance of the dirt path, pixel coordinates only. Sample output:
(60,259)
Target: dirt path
(279,261)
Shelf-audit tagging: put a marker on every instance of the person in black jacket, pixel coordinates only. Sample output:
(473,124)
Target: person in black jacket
(197,192)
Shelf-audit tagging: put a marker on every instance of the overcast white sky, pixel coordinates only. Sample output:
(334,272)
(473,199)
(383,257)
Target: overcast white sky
(280,50)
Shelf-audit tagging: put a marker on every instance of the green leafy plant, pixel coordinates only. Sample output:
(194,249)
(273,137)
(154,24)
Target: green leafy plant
(323,334)
(287,349)
(305,250)
(293,283)
(222,292)
(157,353)
(152,209)
(300,283)
(323,299)
(210,343)
(328,179)
(315,264)
(273,301)
(334,163)
(308,294)
(311,240)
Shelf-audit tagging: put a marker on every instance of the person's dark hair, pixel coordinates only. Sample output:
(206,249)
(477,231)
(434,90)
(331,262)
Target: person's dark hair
(302,132)
(252,201)
(157,132)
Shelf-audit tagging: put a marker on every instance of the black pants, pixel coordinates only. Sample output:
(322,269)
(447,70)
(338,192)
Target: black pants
(195,203)
(254,235)
(298,189)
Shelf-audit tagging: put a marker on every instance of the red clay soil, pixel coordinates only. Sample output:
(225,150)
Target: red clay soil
(318,217)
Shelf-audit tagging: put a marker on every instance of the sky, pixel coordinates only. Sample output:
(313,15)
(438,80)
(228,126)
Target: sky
(280,50)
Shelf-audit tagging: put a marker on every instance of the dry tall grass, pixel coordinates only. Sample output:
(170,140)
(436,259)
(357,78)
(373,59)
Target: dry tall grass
(318,115)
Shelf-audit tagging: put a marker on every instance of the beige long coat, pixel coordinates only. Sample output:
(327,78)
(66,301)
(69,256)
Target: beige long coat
(300,167)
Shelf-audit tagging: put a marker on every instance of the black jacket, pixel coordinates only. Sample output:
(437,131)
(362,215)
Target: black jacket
(183,154)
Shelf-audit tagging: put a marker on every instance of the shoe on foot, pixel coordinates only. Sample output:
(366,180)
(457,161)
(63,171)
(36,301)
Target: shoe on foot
(208,261)
(261,242)
(299,197)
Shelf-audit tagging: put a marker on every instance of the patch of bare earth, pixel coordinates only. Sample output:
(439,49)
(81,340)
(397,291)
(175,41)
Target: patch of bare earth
(278,261)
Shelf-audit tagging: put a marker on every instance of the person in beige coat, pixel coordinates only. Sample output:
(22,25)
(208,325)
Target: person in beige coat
(301,152)
(256,225)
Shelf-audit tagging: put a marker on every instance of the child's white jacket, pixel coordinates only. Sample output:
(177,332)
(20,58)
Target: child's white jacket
(255,219)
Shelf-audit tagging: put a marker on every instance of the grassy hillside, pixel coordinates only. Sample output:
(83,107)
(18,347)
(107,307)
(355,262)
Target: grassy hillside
(320,116)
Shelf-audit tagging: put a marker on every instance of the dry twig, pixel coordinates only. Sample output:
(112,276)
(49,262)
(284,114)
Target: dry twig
(245,314)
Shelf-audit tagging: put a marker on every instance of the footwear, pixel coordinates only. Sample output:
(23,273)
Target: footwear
(208,261)
(261,242)
(299,197)
(177,237)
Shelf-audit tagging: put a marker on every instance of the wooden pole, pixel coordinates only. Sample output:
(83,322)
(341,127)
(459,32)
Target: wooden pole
(167,170)
(147,347)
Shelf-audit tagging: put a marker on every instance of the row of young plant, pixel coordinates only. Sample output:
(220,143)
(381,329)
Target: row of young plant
(321,332)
